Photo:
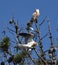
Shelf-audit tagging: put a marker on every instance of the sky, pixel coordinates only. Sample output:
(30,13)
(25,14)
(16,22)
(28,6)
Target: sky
(22,11)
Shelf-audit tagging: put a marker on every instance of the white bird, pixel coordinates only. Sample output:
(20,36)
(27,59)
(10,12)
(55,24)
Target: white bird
(35,15)
(30,43)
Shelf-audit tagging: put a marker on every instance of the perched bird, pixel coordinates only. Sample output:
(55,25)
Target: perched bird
(34,18)
(35,15)
(30,43)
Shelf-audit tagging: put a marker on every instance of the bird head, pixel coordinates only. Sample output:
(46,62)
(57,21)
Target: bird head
(37,12)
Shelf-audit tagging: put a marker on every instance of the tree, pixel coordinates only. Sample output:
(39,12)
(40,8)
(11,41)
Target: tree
(22,48)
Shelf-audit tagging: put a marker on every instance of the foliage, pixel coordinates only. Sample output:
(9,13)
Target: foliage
(5,43)
(37,55)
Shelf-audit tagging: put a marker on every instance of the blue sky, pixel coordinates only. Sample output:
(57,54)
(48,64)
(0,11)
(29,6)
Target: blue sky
(22,11)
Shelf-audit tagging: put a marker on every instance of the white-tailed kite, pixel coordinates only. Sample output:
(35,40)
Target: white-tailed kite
(30,43)
(34,18)
(35,15)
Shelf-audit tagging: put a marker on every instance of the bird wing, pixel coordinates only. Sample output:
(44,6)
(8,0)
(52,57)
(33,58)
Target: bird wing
(24,34)
(24,46)
(28,45)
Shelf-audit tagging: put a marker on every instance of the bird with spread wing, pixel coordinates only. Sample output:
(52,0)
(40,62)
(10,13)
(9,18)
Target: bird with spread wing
(30,43)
